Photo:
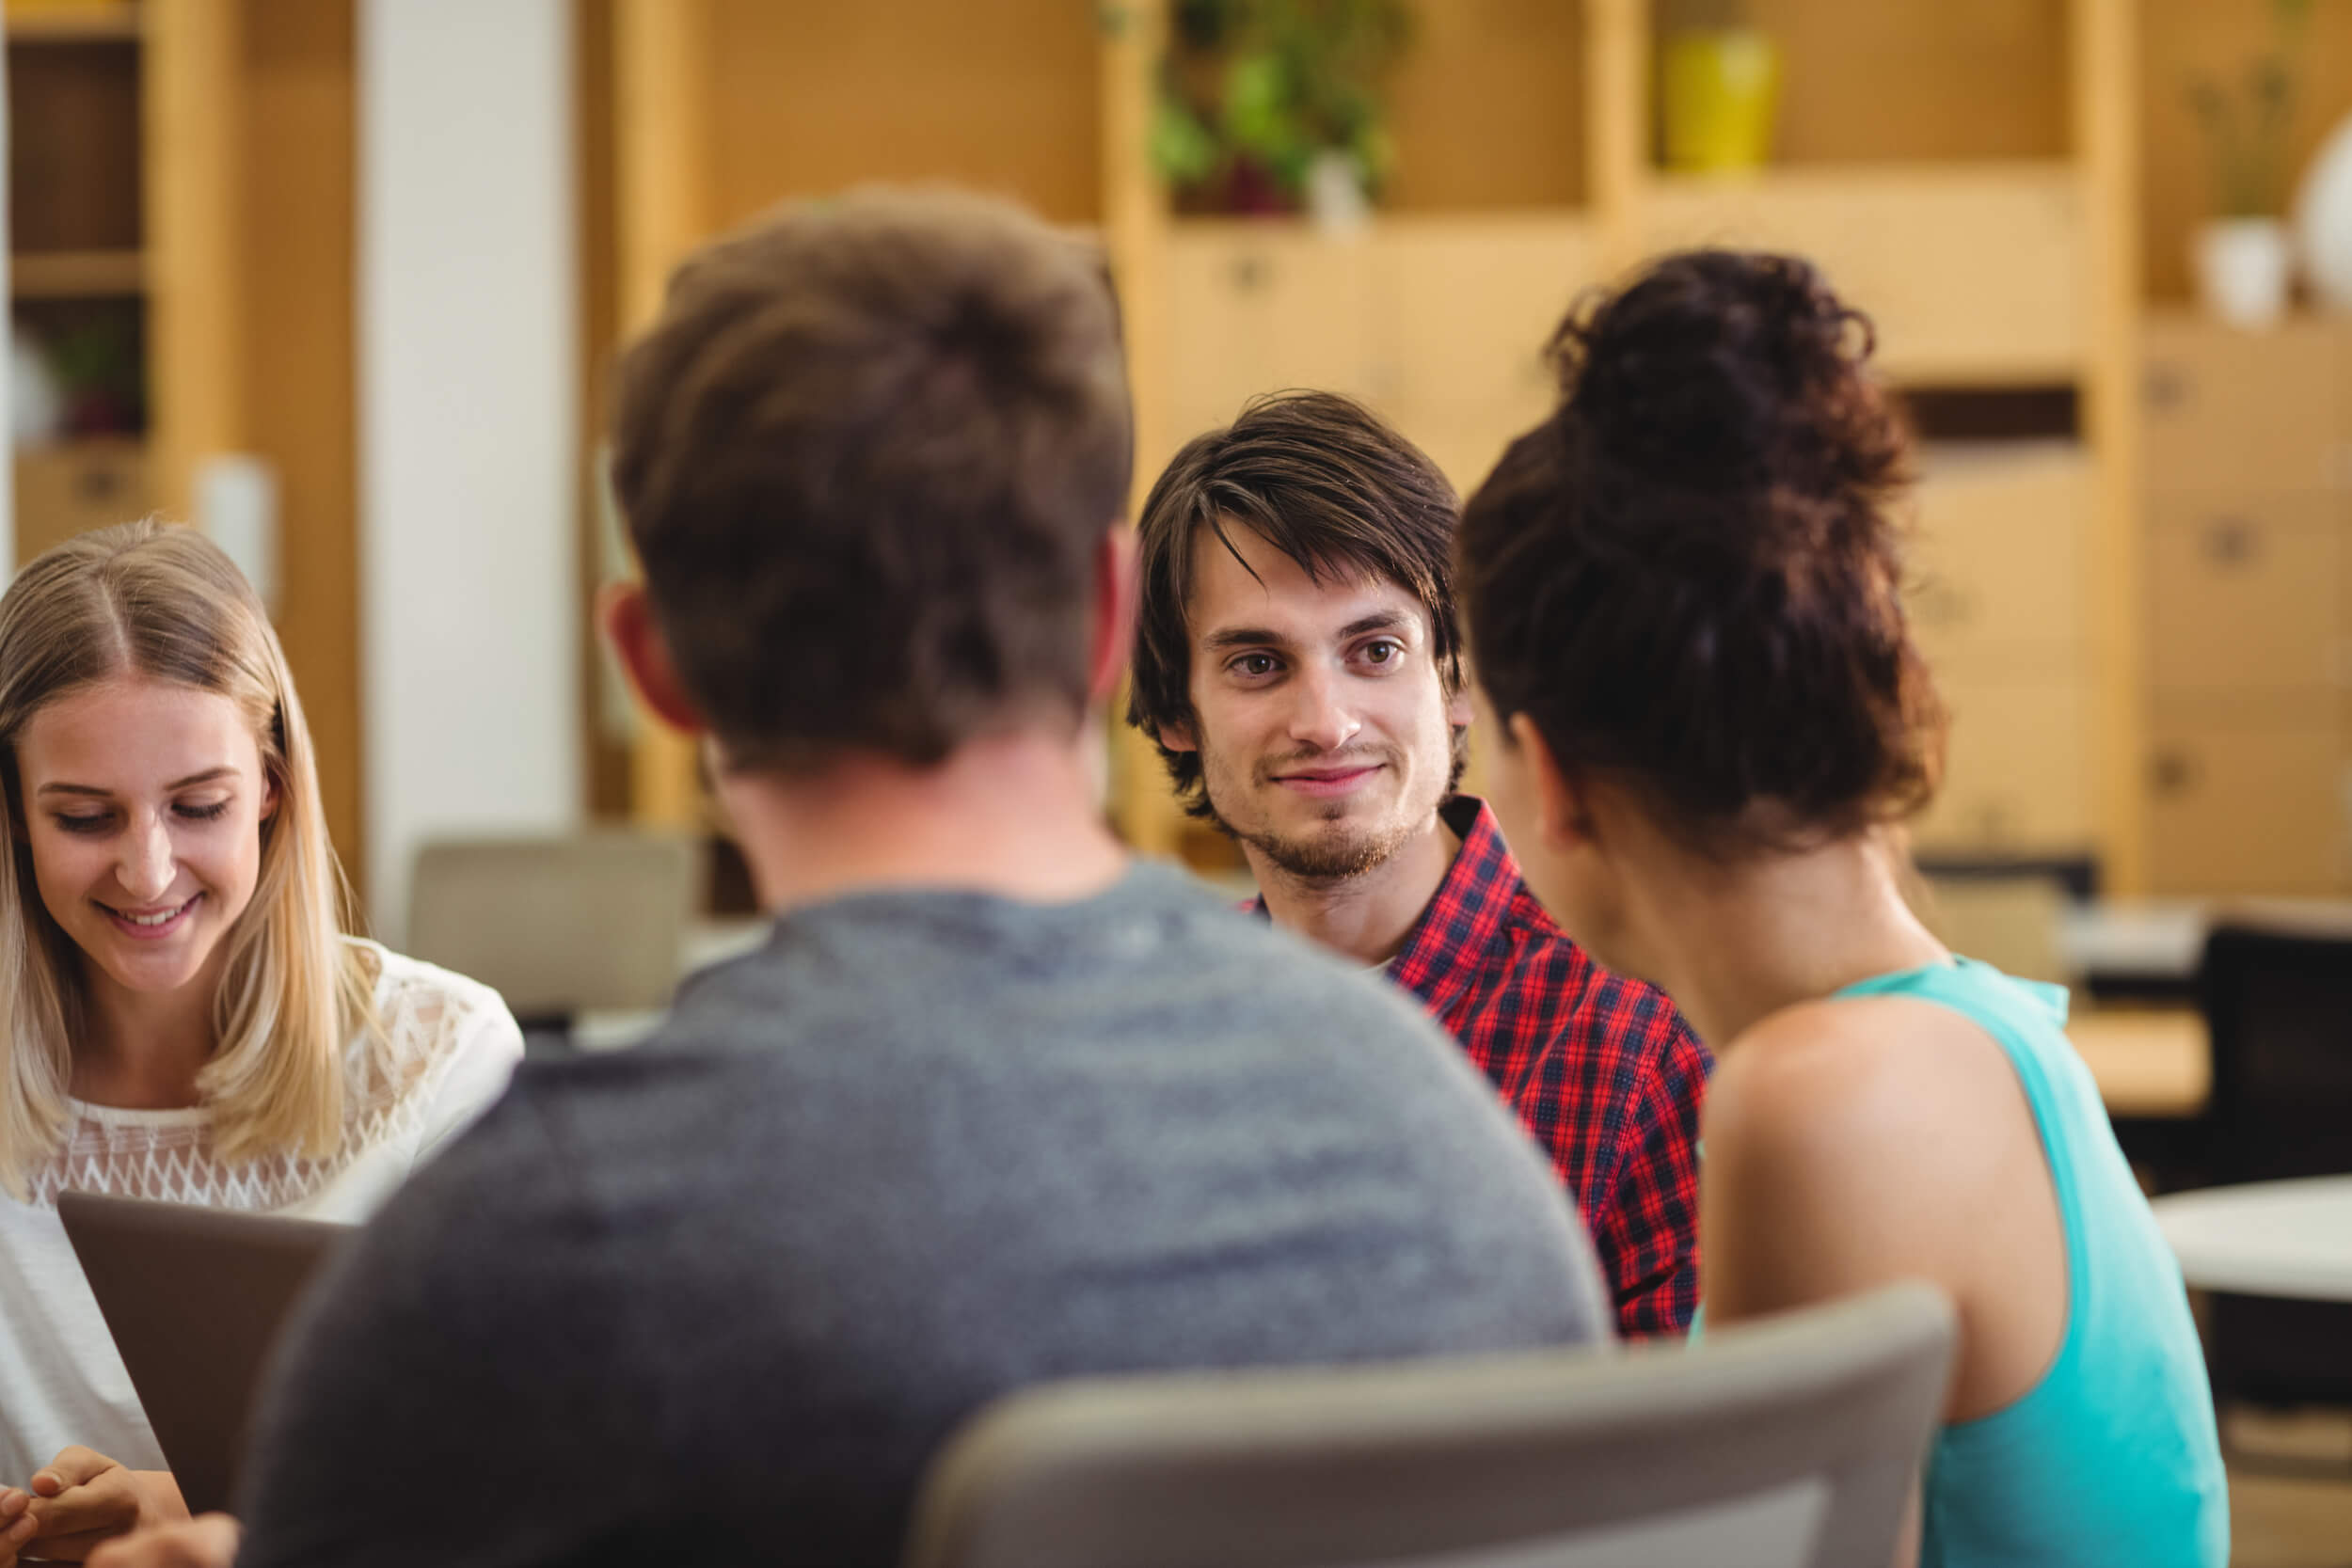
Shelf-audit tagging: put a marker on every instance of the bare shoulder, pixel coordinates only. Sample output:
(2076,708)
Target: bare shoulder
(1855,1134)
(1859,1070)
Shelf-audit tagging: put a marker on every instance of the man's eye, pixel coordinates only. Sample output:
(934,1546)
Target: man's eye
(1254,664)
(1384,652)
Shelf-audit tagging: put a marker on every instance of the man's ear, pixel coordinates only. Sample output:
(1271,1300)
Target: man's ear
(1114,612)
(1564,812)
(626,616)
(1459,709)
(1176,737)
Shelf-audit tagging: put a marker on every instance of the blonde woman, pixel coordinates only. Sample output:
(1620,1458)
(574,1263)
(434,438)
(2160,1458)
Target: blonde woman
(181,1015)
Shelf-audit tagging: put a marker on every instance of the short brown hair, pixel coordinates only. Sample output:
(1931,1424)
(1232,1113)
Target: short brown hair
(867,455)
(1689,575)
(1325,482)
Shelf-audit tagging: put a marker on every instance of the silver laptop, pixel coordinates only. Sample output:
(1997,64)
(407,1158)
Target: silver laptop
(194,1298)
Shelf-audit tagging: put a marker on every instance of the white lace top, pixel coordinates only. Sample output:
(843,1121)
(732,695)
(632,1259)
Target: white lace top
(449,1046)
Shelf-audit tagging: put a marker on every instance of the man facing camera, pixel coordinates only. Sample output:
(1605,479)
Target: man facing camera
(994,1104)
(1299,663)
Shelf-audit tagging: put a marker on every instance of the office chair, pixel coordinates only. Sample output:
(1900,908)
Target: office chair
(2277,1003)
(558,926)
(1790,1443)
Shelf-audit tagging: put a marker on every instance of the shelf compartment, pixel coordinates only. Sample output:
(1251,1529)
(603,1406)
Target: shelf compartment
(76,273)
(1972,273)
(90,22)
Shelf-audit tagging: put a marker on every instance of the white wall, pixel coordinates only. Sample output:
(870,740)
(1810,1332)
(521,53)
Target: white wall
(468,392)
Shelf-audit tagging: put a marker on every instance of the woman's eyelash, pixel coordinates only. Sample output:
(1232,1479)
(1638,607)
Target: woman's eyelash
(82,824)
(203,813)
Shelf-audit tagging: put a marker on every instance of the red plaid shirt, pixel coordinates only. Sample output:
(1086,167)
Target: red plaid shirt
(1600,1067)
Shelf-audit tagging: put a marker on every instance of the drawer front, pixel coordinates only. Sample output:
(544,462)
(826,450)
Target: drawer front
(2242,597)
(1996,563)
(2017,767)
(2228,410)
(1904,243)
(1252,312)
(65,490)
(2246,808)
(1466,308)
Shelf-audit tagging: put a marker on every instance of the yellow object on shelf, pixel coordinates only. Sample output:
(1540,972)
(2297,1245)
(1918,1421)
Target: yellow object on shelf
(1719,90)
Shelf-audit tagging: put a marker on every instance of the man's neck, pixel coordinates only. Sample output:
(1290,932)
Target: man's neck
(1365,917)
(1013,814)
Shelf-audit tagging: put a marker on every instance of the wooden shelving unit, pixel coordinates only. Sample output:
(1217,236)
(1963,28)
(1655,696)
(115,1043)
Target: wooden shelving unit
(1982,275)
(76,273)
(93,22)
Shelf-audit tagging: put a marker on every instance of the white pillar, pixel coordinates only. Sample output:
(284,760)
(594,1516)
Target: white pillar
(468,393)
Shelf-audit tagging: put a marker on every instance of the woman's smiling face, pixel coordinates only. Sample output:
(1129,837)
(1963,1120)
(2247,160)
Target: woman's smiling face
(144,802)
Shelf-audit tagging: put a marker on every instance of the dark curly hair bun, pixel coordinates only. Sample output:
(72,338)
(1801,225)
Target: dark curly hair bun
(1689,574)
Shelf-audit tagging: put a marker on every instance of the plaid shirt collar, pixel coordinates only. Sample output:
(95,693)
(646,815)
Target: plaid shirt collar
(1439,960)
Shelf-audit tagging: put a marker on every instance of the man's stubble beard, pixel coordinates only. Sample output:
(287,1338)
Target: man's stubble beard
(1320,857)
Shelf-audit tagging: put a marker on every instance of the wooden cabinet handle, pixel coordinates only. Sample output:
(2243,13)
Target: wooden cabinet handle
(2230,541)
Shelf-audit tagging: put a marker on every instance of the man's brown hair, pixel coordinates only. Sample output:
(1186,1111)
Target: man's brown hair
(867,455)
(1325,482)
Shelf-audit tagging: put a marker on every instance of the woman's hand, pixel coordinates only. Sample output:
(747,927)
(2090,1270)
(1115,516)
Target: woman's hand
(82,1498)
(16,1525)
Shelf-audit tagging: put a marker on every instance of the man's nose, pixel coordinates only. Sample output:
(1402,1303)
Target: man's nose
(1322,716)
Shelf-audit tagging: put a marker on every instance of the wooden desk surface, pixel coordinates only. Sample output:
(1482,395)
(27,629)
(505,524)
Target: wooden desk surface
(2149,1062)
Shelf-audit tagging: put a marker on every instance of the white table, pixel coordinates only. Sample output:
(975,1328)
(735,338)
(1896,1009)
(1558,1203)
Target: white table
(2265,1237)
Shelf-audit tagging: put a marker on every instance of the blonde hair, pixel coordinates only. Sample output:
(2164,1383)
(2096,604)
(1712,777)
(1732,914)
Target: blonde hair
(165,603)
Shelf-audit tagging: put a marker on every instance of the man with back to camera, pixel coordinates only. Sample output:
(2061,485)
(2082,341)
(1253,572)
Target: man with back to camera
(1298,664)
(994,1104)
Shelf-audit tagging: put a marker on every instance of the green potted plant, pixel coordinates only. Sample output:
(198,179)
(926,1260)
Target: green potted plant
(2241,253)
(1272,105)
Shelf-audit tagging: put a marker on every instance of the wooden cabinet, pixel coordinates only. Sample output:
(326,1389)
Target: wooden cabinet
(1996,560)
(1908,244)
(2017,765)
(1996,591)
(2242,594)
(2248,607)
(2236,414)
(1436,323)
(64,490)
(2248,802)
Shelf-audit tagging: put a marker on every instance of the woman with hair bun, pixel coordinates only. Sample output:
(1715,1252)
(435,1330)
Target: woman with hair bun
(1683,598)
(181,1014)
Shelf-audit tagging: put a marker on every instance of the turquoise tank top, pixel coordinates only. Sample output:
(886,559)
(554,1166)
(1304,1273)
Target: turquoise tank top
(2112,1457)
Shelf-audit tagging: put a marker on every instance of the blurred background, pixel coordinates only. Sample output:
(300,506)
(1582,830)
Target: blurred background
(340,281)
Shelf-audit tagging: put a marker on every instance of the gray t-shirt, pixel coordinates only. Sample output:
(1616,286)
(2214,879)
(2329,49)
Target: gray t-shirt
(720,1298)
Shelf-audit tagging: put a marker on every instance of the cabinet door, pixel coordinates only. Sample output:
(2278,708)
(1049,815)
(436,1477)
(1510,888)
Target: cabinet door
(1996,562)
(2017,766)
(1466,307)
(2234,411)
(65,490)
(1256,307)
(2242,596)
(2252,805)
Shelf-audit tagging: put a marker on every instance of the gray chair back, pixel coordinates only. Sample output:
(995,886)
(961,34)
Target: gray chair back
(1788,1443)
(558,926)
